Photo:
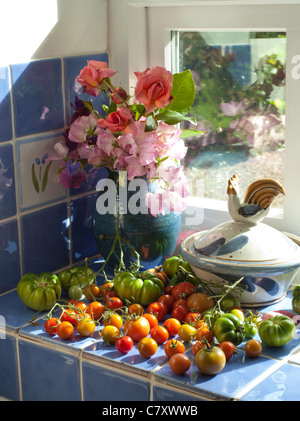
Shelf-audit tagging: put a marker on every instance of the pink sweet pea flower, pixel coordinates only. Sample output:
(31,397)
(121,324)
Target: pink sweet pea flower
(116,121)
(71,175)
(92,75)
(82,127)
(169,141)
(153,88)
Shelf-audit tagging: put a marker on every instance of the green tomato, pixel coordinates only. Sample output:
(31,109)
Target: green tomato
(39,292)
(250,330)
(228,302)
(296,304)
(142,288)
(75,292)
(277,331)
(77,275)
(296,291)
(229,328)
(172,265)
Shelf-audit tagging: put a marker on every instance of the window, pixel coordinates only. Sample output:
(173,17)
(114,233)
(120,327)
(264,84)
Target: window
(148,34)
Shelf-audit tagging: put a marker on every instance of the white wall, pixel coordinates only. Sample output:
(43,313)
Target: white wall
(37,29)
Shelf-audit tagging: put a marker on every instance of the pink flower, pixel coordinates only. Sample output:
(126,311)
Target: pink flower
(169,142)
(116,121)
(119,96)
(92,75)
(106,142)
(153,88)
(82,127)
(71,175)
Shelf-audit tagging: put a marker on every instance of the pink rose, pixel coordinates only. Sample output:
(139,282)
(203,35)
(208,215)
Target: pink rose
(119,96)
(91,76)
(116,121)
(153,88)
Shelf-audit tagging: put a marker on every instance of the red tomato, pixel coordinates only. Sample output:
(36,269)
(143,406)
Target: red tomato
(107,286)
(136,309)
(200,302)
(168,289)
(179,312)
(137,329)
(158,309)
(174,346)
(172,325)
(68,315)
(151,319)
(91,292)
(179,363)
(167,300)
(197,345)
(114,303)
(65,330)
(228,348)
(181,301)
(95,310)
(124,344)
(159,334)
(183,290)
(194,319)
(51,325)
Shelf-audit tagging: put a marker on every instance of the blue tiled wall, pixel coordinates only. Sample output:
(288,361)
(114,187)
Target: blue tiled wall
(51,229)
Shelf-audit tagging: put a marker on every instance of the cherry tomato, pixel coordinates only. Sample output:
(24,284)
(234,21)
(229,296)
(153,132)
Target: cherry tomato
(86,327)
(200,302)
(124,344)
(159,334)
(168,289)
(167,300)
(114,303)
(187,332)
(180,301)
(136,309)
(160,274)
(158,309)
(110,334)
(80,305)
(107,286)
(91,292)
(179,312)
(197,345)
(238,313)
(75,292)
(51,325)
(137,329)
(194,319)
(183,290)
(111,318)
(253,348)
(172,325)
(210,361)
(147,347)
(151,319)
(204,333)
(174,346)
(179,363)
(110,294)
(65,330)
(228,348)
(68,315)
(95,309)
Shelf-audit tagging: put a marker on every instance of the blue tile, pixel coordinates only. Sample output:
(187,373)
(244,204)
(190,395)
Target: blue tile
(45,239)
(7,182)
(36,85)
(48,374)
(83,240)
(161,394)
(112,385)
(281,385)
(9,256)
(9,386)
(5,106)
(72,66)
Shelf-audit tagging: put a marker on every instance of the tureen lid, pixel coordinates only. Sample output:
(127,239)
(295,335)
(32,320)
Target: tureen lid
(245,242)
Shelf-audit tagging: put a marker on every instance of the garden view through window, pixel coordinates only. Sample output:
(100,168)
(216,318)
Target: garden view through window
(239,106)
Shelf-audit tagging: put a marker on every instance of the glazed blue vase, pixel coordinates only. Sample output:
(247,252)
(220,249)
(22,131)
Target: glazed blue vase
(153,238)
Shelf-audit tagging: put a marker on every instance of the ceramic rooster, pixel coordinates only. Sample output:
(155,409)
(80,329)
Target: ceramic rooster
(257,201)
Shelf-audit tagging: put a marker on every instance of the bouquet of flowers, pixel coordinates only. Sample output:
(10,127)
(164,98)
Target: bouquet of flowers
(137,135)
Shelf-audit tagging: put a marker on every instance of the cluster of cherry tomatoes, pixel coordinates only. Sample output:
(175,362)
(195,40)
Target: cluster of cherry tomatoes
(173,321)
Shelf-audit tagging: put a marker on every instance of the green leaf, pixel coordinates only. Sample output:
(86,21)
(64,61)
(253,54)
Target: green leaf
(45,177)
(183,92)
(151,124)
(34,179)
(173,117)
(190,132)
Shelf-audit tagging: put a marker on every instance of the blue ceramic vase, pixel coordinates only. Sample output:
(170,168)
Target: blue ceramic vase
(153,238)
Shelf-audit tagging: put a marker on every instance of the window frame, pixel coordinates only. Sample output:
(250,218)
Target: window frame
(145,35)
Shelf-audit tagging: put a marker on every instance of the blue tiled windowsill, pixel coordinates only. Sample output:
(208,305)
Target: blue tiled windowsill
(32,361)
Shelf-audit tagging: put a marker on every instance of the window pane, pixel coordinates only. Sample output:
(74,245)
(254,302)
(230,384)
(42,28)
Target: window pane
(239,104)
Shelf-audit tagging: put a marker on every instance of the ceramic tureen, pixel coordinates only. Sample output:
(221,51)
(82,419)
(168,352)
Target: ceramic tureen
(267,259)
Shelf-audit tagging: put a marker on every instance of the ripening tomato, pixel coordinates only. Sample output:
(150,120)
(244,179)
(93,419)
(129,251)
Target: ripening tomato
(228,348)
(167,300)
(91,292)
(159,334)
(183,290)
(95,309)
(124,344)
(147,347)
(158,309)
(136,309)
(210,361)
(179,312)
(194,319)
(187,332)
(198,345)
(51,325)
(86,327)
(253,348)
(151,319)
(110,334)
(114,303)
(200,302)
(65,330)
(137,328)
(203,333)
(174,346)
(172,325)
(179,363)
(111,318)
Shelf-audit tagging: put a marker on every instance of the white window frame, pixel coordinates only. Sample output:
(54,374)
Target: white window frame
(139,37)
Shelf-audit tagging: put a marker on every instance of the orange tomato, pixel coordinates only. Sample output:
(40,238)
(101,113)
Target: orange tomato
(65,330)
(86,327)
(95,310)
(91,292)
(174,346)
(204,333)
(137,329)
(147,347)
(114,319)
